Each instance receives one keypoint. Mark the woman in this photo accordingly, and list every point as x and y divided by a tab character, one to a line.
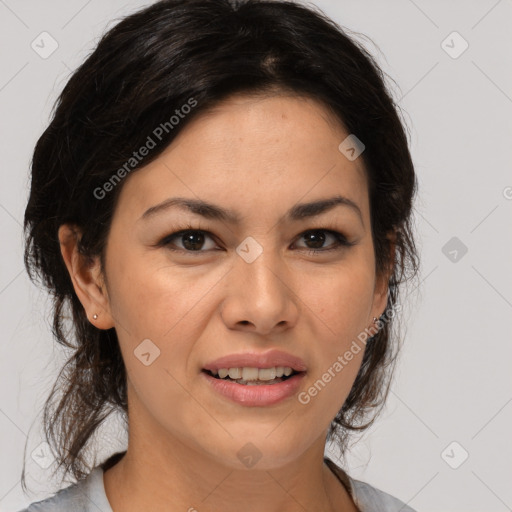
223	200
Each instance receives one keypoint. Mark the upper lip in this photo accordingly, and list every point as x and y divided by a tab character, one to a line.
254	360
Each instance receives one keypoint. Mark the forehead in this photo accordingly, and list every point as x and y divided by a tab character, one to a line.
252	152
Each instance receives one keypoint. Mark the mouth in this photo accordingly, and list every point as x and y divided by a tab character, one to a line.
253	386
252	376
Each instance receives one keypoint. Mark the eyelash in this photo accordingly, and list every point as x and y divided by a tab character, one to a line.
341	241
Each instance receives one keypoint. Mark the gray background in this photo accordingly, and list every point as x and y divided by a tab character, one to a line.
451	384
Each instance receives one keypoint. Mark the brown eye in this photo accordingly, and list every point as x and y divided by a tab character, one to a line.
316	238
190	240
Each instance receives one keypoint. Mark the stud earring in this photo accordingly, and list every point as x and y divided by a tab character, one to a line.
371	338
95	316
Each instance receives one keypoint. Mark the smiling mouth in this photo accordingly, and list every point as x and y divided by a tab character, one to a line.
253	376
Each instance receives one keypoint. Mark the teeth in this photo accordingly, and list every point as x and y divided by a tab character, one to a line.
267	374
252	374
235	373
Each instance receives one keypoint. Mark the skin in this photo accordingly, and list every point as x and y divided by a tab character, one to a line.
258	156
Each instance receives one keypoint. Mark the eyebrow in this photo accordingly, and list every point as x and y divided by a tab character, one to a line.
215	212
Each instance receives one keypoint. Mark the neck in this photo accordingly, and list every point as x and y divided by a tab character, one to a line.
161	472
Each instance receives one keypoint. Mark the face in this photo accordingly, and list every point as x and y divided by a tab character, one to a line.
264	275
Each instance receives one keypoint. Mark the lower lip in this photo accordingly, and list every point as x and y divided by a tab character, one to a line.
258	395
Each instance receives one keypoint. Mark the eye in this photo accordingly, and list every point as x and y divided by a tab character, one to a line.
191	240
316	238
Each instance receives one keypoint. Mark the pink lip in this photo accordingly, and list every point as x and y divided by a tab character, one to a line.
266	360
259	395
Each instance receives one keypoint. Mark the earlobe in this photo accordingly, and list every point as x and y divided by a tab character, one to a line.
380	297
85	274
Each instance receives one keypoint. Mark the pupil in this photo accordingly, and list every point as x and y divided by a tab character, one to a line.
190	243
317	237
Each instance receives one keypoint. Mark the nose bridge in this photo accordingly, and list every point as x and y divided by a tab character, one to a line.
259	266
259	293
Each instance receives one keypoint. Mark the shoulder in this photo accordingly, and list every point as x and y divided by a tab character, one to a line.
371	499
77	497
71	499
366	497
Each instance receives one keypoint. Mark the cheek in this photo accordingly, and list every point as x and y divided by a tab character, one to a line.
339	304
158	317
168	305
341	299
158	298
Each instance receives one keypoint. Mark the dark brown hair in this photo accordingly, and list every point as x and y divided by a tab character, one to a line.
142	71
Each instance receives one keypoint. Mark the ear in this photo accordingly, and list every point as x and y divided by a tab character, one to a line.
380	296
86	277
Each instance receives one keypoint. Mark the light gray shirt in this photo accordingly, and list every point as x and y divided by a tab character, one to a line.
88	495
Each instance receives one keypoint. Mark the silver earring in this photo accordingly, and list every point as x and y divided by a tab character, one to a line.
373	337
95	316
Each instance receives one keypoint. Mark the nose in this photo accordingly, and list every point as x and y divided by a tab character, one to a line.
260	296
